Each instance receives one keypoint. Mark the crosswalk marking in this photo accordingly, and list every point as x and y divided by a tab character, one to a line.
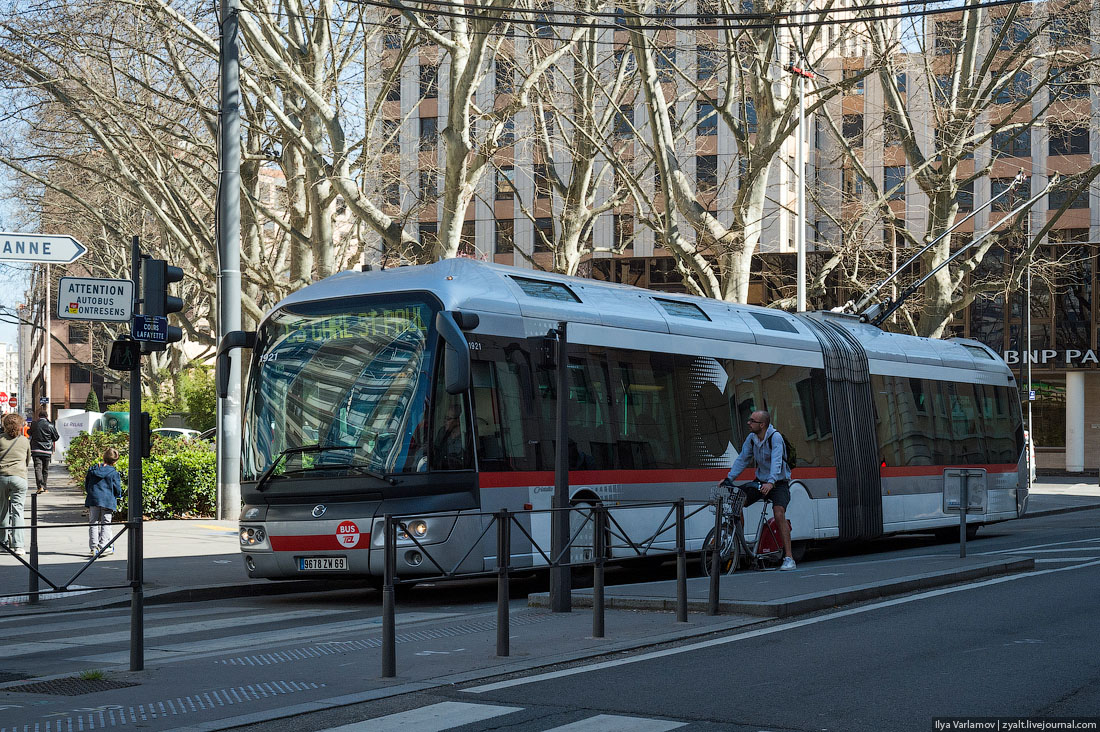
615	723
432	718
262	639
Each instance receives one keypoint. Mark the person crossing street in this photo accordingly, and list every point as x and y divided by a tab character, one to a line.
43	435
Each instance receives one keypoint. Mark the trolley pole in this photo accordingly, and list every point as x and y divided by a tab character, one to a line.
135	507
561	600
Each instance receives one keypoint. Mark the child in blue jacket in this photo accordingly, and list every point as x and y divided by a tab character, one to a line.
103	486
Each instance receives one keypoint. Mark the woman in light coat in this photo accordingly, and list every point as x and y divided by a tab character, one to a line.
15	459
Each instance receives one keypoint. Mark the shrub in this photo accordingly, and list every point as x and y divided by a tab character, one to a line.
91	404
179	480
86	449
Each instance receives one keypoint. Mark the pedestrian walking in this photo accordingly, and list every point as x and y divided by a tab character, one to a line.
103	486
43	435
15	459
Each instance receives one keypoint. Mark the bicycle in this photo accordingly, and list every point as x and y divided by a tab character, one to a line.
733	547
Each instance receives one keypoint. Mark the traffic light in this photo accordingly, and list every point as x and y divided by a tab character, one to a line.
156	275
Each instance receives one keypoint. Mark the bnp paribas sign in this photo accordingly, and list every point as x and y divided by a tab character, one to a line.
1049	356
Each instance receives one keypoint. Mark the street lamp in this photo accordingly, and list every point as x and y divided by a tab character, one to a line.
800	205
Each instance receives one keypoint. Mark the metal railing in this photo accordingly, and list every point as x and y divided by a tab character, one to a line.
609	537
35	574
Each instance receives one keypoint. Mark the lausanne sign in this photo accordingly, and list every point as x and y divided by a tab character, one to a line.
16	247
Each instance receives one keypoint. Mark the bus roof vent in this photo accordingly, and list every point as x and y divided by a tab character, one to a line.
545	290
775	322
682	309
977	351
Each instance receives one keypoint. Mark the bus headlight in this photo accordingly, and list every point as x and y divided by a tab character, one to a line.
253	536
415	529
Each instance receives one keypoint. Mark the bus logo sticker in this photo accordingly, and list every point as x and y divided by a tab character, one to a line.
347	533
319	510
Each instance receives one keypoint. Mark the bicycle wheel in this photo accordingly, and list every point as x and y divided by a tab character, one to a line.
729	554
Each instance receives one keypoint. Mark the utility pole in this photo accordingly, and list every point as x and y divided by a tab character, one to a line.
228	444
801	75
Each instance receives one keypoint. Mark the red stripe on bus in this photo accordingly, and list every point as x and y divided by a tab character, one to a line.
315	543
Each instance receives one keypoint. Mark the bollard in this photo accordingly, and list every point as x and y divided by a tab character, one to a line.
389	629
964	500
715	560
681	566
32	583
503	557
597	571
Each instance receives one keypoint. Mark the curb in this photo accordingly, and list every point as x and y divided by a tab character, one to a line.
802	604
1054	511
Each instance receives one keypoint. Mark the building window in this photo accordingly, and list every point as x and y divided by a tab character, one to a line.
391	136
1068	82
1009	201
853	184
965	197
706	172
1012	143
505	73
506	183
508	134
543	29
948	37
429	133
853	129
749	116
706	62
901	80
1016	34
544	234
428	189
706	119
78	332
893	182
854	84
393	32
666	64
1070	138
504	237
623	232
542	181
1016	89
429	81
78	375
391	85
624	121
467	239
1067	190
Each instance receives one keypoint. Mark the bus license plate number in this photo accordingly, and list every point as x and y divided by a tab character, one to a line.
306	564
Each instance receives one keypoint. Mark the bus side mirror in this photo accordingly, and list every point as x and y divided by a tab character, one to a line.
456	353
232	339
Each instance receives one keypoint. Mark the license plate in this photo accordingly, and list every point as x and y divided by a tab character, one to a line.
306	564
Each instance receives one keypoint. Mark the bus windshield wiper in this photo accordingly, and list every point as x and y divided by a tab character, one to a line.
261	484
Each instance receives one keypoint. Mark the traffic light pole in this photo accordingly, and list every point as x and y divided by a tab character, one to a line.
135	507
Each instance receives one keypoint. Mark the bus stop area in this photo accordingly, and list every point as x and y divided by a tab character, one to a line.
199	559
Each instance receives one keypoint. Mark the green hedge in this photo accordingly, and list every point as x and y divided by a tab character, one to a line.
179	480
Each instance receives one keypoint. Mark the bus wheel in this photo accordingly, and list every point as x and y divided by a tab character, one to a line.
952	533
798	550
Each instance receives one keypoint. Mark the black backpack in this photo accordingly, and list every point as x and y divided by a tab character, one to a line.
789	456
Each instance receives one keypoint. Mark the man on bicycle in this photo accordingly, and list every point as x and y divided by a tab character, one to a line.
766	448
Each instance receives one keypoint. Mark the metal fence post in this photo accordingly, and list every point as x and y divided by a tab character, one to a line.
715	560
597	572
681	565
964	500
504	555
389	631
32	582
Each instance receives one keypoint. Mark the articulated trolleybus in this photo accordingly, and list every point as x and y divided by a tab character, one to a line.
426	390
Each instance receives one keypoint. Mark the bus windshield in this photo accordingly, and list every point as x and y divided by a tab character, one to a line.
349	376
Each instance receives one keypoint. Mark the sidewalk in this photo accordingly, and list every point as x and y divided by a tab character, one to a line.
199	559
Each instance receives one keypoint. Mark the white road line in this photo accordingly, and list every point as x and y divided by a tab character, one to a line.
153	631
432	718
1065	560
154	622
763	631
1033	547
614	723
260	640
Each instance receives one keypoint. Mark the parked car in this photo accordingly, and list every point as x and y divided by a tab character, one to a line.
176	433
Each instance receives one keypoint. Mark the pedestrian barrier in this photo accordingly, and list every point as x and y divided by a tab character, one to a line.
35	574
612	543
